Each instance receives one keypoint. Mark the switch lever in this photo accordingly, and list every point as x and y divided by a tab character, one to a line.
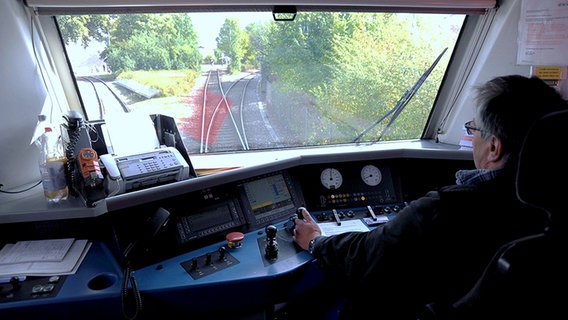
372	213
336	217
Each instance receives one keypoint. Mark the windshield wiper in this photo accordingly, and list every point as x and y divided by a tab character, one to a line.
402	102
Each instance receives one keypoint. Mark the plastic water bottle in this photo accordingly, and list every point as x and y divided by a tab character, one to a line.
52	166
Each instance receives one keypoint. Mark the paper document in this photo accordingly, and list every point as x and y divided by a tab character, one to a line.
35	250
37	265
331	228
131	133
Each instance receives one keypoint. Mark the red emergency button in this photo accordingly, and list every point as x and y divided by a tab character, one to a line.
234	239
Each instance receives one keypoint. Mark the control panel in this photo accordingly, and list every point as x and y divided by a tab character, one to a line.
372	215
200	218
17	288
209	263
275	242
349	185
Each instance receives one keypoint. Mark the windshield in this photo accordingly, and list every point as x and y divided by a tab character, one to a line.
239	81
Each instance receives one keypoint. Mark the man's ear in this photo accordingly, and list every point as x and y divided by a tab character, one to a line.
495	149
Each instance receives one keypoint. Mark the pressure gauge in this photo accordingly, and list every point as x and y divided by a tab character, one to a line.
371	175
331	178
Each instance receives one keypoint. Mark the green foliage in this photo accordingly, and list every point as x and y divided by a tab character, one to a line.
358	66
85	28
170	84
138	41
232	42
256	45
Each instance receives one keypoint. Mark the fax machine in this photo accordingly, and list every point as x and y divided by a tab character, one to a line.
137	171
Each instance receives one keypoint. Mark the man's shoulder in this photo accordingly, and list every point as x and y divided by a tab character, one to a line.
450	191
458	193
457	189
450	195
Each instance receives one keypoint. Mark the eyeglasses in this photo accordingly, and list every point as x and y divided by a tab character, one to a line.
470	127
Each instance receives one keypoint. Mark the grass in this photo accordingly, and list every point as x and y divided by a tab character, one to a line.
170	83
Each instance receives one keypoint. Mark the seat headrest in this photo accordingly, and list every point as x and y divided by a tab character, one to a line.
542	176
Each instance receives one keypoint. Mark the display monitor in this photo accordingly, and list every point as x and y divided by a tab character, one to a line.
207	221
269	198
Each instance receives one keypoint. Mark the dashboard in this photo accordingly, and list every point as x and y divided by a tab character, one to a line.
369	192
332	192
226	240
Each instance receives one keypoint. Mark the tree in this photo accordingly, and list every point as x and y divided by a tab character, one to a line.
257	43
231	42
300	52
85	28
138	41
355	67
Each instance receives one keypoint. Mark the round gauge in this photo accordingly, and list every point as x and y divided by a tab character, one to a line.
371	175
331	178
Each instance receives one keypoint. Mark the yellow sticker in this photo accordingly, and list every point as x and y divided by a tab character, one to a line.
549	73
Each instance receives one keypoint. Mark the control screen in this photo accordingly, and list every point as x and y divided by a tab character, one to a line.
207	221
268	195
268	198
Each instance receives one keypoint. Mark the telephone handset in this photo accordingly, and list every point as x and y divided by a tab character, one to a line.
134	254
113	184
151	227
110	166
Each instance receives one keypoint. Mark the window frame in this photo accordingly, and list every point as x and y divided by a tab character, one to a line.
452	84
54	7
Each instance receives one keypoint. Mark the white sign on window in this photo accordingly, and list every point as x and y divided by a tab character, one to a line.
543	33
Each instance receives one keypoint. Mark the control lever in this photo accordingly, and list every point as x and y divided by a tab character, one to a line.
291	224
336	217
299	213
372	213
271	250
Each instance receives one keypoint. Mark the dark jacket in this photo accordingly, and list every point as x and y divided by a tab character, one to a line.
434	250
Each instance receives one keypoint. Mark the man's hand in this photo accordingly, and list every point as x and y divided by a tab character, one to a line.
306	229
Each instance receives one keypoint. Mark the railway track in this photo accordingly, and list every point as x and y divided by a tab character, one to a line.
230	112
